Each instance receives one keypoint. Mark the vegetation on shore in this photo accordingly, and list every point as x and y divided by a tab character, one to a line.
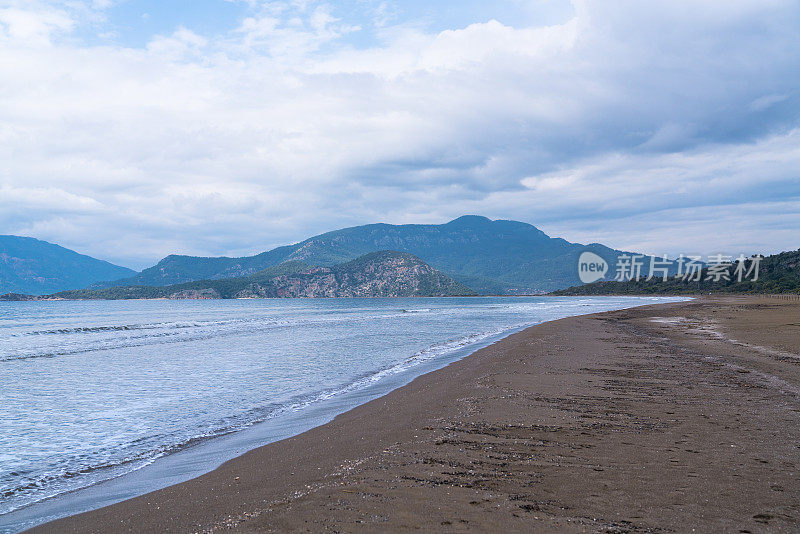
779	273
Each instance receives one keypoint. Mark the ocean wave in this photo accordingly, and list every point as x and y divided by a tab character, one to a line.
21	489
65	342
167	325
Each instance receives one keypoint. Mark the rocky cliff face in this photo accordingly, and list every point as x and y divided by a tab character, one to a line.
196	294
382	274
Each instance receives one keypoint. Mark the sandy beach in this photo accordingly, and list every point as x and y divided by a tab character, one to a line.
673	417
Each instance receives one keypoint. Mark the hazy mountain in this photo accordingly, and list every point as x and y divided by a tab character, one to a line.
36	267
488	256
779	273
378	274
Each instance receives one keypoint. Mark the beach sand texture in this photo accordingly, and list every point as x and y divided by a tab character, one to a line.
666	418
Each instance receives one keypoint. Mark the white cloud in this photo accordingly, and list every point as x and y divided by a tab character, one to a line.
32	27
180	45
234	143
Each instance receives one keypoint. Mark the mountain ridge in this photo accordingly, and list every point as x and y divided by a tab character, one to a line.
30	265
491	257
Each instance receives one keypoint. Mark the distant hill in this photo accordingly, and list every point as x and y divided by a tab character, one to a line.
491	257
35	267
779	273
378	274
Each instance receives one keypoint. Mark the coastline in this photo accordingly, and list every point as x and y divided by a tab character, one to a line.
117	482
549	428
206	454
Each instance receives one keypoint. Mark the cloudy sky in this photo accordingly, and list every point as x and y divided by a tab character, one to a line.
131	129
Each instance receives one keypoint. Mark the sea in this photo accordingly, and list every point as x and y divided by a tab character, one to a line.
105	400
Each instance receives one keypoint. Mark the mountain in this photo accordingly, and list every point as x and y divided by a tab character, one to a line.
491	257
378	274
779	273
36	267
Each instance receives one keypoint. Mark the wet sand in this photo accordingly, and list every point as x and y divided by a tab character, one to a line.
671	417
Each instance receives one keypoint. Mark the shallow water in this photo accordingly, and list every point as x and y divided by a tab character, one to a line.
92	390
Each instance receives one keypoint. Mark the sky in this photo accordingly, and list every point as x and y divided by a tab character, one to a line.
133	129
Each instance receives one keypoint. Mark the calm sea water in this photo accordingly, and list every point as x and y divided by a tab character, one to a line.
91	390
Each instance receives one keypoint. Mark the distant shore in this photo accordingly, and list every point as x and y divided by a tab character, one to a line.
667	417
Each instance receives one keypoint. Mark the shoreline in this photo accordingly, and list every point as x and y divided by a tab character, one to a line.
204	455
208	453
430	453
